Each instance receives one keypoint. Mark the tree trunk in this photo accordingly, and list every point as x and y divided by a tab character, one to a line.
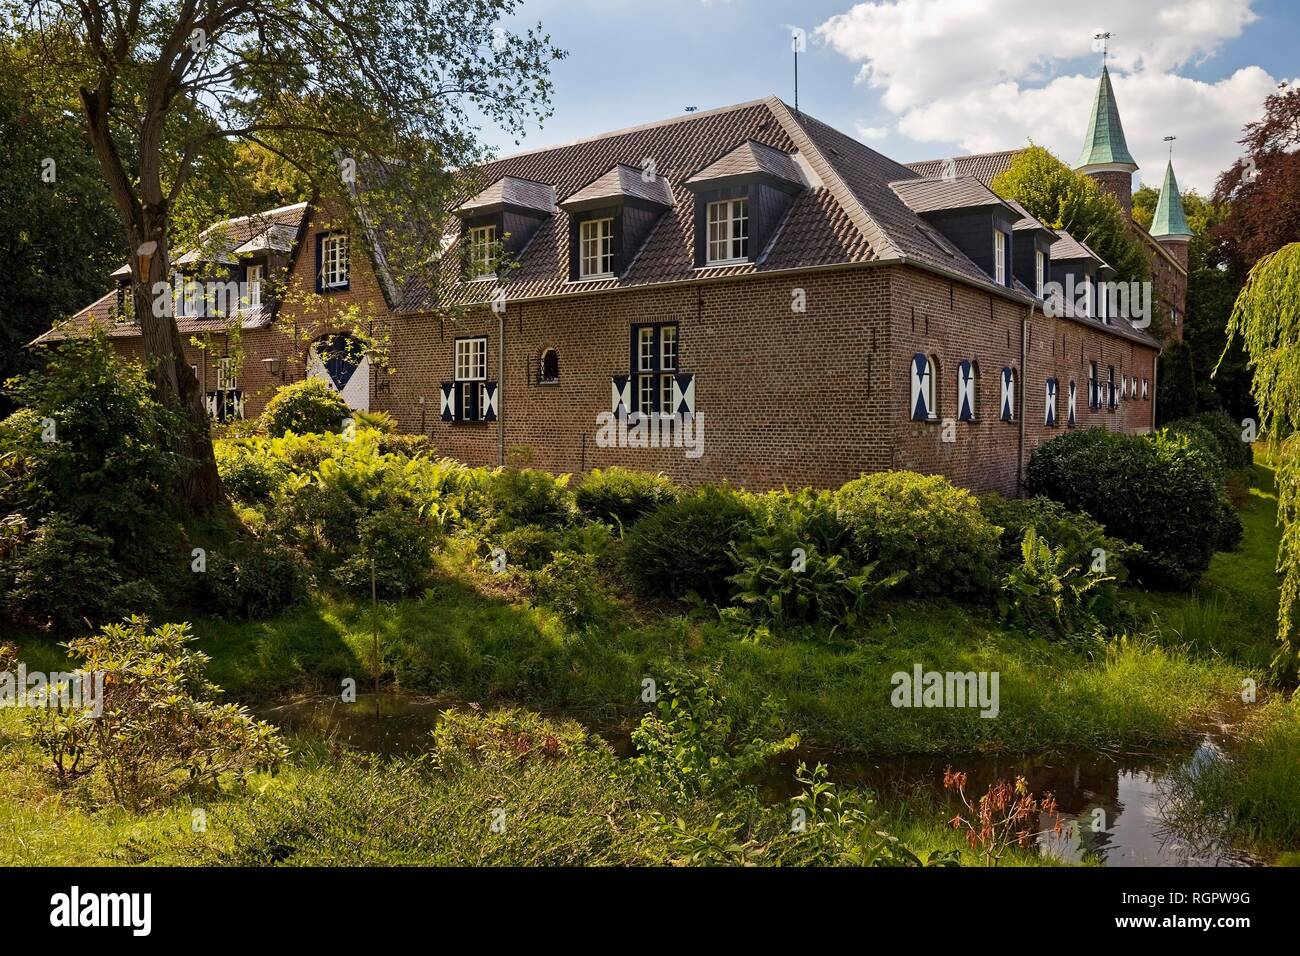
174	383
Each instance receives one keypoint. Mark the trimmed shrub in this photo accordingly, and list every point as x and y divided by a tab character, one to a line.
686	545
925	526
529	546
1078	535
621	496
1236	453
306	407
1204	441
1159	492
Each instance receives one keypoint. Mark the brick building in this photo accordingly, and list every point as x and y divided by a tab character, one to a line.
803	308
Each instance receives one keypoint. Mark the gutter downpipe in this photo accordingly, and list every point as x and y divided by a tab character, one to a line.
501	387
1024	378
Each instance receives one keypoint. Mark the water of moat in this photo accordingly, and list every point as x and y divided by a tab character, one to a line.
1116	809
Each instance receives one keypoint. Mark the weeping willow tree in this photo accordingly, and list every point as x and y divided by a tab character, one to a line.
1267	317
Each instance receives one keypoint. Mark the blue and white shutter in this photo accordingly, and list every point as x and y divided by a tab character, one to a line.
489	406
1049	418
965	391
920	372
683	395
449	404
1073	406
620	395
1008	395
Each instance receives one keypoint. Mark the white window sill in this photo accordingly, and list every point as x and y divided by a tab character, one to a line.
594	277
716	263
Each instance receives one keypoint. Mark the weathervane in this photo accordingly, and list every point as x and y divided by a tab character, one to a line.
1101	38
1170	141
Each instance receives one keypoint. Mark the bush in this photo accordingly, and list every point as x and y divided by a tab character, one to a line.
1081	537
309	406
1236	453
160	730
1159	492
400	549
62	575
570	586
520	496
1050	595
407	446
107	465
789	571
1231	530
925	526
529	547
686	546
1204	441
254	580
621	496
248	472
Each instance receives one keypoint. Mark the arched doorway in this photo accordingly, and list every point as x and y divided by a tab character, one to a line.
340	361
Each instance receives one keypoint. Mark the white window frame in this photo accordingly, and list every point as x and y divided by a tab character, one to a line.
1000	257
227	374
482	251
1040	270
596	248
471	360
253	275
645	349
727	221
334	260
928	388
668	348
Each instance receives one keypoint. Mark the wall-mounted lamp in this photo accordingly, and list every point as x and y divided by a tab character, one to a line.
273	367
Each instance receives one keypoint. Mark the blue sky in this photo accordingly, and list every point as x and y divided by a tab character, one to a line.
923	78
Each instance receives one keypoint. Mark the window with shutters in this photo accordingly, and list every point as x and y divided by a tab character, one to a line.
1094	387
728	223
1110	388
968	383
334	261
654	368
596	248
227	373
1008	394
470	396
1049	415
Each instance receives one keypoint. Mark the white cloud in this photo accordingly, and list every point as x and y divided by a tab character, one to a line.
986	74
873	132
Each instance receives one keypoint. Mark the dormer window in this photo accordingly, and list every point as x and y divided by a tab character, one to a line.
1040	267
253	277
596	258
1000	257
728	231
482	251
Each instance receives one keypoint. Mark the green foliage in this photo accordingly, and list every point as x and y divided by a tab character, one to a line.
1048	594
1235	451
689	745
63	574
925	526
525	496
394	548
621	496
685	546
89	442
570	586
788	573
306	407
1160	492
1083	539
254	579
529	546
249	471
160	731
1071	201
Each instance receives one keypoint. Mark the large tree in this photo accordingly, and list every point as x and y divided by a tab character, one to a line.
1262	189
337	89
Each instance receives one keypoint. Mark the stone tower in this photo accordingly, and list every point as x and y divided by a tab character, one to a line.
1169	225
1105	155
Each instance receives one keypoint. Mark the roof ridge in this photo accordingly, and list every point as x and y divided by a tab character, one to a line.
830	176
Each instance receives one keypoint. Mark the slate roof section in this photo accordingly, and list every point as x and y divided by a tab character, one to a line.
748	158
511	191
940	195
1068	249
1028	221
622	181
983	166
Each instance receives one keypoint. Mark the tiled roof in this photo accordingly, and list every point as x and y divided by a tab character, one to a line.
1066	249
983	166
1028	220
938	195
751	157
622	180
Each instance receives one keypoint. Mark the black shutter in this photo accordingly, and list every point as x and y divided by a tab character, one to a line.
449	395
489	406
320	282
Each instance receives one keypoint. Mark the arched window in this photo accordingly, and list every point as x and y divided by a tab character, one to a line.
968	383
1008	394
548	372
924	370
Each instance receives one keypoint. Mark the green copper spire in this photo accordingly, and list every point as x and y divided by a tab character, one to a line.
1170	222
1104	145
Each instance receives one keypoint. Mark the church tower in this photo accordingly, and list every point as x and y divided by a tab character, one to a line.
1169	225
1105	155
